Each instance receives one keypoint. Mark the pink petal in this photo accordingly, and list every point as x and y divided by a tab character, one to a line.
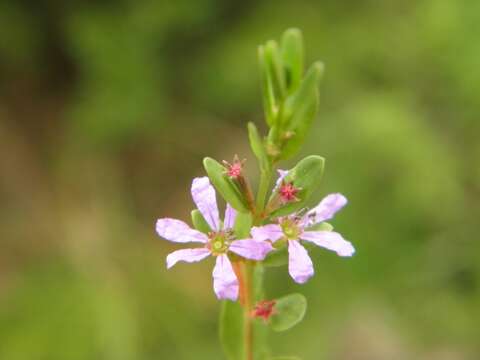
225	281
178	231
271	232
251	249
329	240
281	175
203	195
188	255
325	210
230	216
300	265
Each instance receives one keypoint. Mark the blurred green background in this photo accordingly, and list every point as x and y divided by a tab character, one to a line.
108	107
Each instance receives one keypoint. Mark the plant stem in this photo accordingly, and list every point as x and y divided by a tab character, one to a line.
248	330
247	283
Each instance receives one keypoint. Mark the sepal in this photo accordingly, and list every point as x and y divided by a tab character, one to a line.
323	226
199	222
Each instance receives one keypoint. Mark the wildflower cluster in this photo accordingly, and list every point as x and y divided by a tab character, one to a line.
256	231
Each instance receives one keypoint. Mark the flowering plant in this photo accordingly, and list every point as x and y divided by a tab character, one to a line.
257	232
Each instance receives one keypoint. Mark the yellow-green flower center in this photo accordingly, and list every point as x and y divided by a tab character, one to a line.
218	242
290	229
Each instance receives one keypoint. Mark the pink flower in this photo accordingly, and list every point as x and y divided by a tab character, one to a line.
298	227
218	242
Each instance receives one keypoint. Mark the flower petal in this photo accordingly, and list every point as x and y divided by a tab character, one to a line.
325	210
330	240
251	249
230	216
177	231
281	175
300	266
203	195
225	281
188	255
271	232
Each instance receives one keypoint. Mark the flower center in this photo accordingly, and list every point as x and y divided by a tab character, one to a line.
218	242
291	230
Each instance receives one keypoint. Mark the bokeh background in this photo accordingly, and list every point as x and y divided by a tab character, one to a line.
107	109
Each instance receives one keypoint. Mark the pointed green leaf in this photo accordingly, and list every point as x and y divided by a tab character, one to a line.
232	330
300	110
269	102
275	67
272	139
292	56
199	222
290	310
257	146
224	185
243	224
305	176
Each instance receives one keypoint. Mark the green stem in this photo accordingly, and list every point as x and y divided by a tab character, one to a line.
248	303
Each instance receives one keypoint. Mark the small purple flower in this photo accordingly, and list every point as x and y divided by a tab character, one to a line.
218	242
296	227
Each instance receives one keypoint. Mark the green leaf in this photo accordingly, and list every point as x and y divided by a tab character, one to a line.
224	185
257	146
305	176
276	258
324	226
290	310
199	222
300	111
243	224
292	56
275	67
272	139
232	330
285	358
269	101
